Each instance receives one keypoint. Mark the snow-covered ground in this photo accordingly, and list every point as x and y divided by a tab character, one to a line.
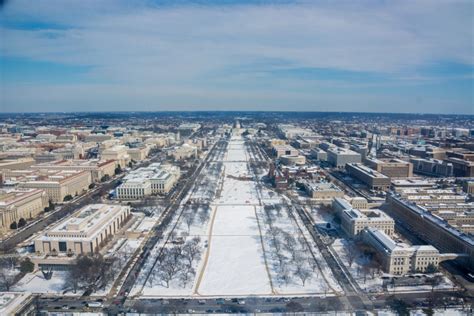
36	283
236	265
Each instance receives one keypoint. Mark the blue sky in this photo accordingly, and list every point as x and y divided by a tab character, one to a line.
374	56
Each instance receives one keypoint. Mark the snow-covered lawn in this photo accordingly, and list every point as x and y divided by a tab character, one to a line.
35	283
236	265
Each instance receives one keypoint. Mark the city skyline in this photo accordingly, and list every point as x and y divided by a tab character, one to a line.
402	57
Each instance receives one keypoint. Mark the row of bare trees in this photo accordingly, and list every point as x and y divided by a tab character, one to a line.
176	262
291	255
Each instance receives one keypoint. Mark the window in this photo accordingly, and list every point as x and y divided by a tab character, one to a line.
62	246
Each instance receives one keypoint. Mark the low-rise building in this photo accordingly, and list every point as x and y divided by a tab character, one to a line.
339	157
184	152
391	167
56	183
319	154
154	179
353	221
373	179
138	154
432	167
85	232
293	160
284	150
399	258
119	153
322	190
14	164
433	229
17	203
468	186
97	168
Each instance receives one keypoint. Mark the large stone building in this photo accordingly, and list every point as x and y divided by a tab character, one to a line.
85	232
284	150
56	183
432	167
433	229
393	168
339	157
16	204
322	190
399	258
184	152
354	221
97	168
138	154
13	164
119	153
373	179
154	179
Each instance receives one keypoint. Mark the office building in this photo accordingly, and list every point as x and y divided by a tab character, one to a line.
393	168
85	232
16	204
399	258
339	157
371	178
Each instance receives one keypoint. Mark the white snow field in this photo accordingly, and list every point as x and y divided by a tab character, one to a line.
236	264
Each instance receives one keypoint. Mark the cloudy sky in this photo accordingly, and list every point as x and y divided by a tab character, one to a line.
374	56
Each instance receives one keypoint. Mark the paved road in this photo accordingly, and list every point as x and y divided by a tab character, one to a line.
247	304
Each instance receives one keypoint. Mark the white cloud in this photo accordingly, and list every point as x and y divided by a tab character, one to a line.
183	46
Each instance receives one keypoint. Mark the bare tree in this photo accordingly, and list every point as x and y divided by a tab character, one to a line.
192	250
351	254
6	279
188	218
303	273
